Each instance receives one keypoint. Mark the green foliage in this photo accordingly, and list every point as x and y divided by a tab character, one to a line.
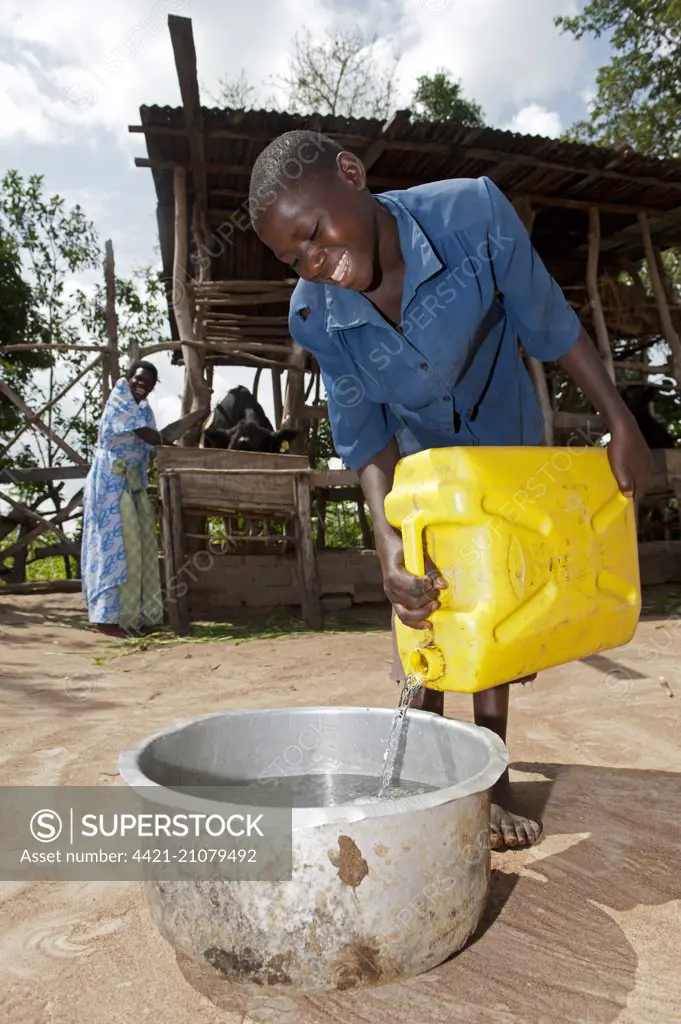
438	97
639	92
141	314
341	75
16	316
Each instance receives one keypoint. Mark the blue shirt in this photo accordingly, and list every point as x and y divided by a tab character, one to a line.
474	287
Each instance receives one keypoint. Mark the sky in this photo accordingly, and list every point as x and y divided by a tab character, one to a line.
73	77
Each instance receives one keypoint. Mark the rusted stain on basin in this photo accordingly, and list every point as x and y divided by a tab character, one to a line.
352	867
361	963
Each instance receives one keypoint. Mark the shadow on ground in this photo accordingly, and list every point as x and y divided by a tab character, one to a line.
611	843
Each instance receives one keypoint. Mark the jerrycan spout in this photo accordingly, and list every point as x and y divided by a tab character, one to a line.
427	663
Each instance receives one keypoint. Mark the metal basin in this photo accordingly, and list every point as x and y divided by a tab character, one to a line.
380	890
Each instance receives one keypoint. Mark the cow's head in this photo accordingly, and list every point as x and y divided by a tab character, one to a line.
249	436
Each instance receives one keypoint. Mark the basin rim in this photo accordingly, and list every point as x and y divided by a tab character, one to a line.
304	818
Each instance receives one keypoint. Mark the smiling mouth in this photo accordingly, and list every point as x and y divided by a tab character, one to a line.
341	269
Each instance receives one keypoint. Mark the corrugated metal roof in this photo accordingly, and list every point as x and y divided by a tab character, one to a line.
419	152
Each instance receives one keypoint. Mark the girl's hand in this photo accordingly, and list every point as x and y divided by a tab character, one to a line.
414	598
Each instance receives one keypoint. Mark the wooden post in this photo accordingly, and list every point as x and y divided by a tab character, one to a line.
110	359
307	560
38	423
276	397
295	399
600	327
168	554
57	398
666	322
527	214
195	395
177	580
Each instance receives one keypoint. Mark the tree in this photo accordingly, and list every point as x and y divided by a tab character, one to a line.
236	93
438	97
341	76
16	322
638	98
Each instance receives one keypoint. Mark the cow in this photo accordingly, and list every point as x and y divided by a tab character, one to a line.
638	399
239	424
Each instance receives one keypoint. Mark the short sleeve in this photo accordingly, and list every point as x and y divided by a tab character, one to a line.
122	414
543	319
360	427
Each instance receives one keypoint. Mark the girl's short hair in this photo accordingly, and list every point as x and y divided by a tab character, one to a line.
142	364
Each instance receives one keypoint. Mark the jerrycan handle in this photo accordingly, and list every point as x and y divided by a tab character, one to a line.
412	542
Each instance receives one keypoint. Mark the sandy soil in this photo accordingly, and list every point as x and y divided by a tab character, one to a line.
585	928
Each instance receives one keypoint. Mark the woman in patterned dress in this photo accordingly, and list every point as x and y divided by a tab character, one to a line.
119	556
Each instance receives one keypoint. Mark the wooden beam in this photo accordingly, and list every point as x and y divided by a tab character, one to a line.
584	204
40	474
377	148
195	394
110	360
668	328
38	423
177	578
600	327
584	170
35	346
307	557
43	587
276	398
527	214
45	523
24	541
625	209
461	152
57	398
182	39
295	397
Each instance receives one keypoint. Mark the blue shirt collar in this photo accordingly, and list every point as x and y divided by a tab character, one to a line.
346	308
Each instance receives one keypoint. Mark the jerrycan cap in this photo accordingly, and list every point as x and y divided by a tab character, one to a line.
427	663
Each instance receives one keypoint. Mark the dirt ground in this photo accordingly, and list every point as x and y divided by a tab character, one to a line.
585	928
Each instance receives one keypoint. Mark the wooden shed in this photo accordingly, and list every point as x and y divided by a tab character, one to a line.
599	218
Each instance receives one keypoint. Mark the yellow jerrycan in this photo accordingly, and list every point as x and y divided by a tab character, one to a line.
539	552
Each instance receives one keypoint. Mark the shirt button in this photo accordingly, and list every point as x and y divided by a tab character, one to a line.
447	398
423	366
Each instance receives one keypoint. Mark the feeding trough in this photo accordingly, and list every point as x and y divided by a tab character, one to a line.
379	889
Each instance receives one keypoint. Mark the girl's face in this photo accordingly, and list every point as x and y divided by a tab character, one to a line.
325	229
142	383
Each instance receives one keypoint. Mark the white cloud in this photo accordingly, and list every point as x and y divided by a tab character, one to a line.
536	120
72	80
504	52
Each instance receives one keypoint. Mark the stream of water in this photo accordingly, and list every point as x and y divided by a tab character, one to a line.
409	691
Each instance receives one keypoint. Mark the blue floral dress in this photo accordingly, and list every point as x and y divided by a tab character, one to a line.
103	566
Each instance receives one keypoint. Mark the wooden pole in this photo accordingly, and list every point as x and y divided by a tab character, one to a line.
524	209
276	398
602	339
61	516
57	398
177	578
168	554
195	394
668	328
294	402
112	364
45	523
307	558
38	423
